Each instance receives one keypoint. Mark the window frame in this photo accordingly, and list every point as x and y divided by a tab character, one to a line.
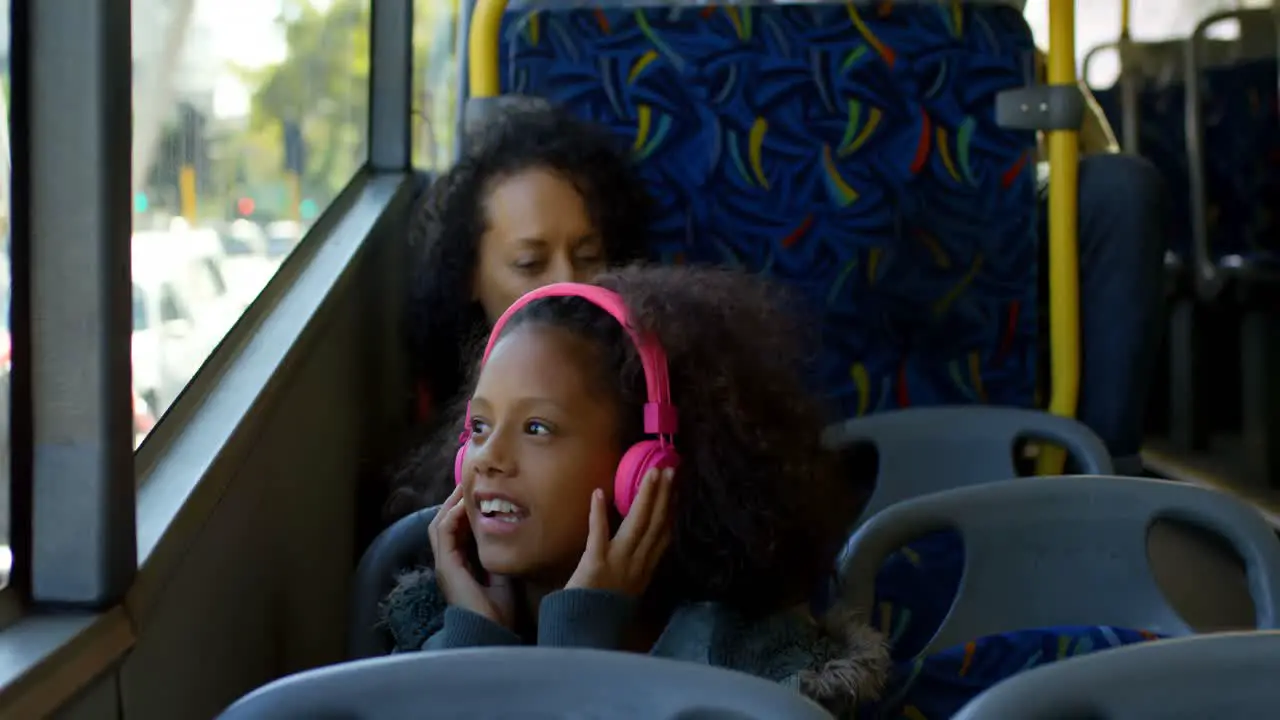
76	134
192	453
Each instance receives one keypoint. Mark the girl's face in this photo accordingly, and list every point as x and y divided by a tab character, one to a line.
537	232
544	437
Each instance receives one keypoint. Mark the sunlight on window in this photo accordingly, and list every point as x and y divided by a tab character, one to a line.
435	83
250	117
1098	22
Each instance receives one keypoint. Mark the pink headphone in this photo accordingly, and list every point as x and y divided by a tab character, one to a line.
660	417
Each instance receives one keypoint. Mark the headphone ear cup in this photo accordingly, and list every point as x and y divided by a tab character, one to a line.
458	461
639	459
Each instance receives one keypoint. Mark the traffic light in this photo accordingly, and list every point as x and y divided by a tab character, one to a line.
245	206
295	149
140	203
308	209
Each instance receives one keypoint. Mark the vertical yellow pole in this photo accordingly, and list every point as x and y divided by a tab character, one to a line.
1064	273
482	48
187	192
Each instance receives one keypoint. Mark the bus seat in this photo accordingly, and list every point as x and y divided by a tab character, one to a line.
1162	139
1064	551
924	450
397	549
479	111
848	150
1194	397
1241	141
1242	165
1157	69
523	682
1225	675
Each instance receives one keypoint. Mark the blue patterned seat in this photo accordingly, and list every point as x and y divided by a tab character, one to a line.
852	152
848	150
937	686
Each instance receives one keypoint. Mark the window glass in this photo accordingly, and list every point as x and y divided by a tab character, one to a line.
170	306
1098	22
6	556
435	83
139	309
250	117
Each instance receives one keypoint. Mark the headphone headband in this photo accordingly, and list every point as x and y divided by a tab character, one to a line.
659	413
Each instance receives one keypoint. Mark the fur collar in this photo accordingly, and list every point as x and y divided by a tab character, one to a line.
838	660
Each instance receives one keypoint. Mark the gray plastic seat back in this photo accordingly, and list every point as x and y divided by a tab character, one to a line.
1231	675
398	548
924	450
1065	550
523	682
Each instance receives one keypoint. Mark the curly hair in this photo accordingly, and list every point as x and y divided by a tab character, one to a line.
761	509
443	320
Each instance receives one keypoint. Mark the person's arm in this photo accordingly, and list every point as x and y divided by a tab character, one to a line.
585	619
464	629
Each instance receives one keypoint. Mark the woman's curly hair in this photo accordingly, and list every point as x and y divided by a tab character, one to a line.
761	510
443	319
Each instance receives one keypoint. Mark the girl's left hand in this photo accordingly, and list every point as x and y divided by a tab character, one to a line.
625	563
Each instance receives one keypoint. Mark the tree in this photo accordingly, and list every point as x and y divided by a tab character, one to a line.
323	84
182	141
435	82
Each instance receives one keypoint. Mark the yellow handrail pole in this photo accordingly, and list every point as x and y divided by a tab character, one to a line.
482	48
1064	273
1125	7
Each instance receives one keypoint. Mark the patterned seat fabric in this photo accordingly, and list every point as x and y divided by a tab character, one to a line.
848	150
935	687
1242	155
914	592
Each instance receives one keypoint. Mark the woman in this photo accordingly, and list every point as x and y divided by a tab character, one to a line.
538	197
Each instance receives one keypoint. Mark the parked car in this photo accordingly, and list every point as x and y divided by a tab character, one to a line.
181	311
282	237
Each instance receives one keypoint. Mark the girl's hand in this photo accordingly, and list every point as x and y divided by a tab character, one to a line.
450	532
625	563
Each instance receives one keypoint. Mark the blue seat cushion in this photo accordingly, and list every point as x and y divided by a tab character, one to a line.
848	150
914	591
938	685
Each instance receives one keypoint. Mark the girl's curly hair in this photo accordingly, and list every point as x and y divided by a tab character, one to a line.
444	239
761	510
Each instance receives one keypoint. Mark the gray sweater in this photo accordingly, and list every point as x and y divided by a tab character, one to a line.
837	661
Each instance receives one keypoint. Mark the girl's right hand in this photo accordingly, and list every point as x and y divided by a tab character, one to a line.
450	533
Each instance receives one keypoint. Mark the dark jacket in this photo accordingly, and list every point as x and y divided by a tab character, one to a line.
838	661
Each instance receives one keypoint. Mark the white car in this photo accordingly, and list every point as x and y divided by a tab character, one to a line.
282	237
181	311
243	258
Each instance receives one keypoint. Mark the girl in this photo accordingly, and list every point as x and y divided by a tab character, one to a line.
539	197
711	563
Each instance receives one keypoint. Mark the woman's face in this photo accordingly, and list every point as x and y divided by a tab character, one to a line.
537	232
543	438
